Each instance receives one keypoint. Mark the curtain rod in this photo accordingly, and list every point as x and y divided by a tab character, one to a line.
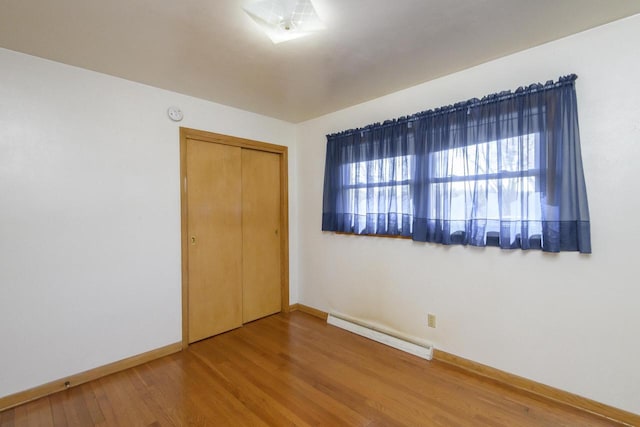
468	104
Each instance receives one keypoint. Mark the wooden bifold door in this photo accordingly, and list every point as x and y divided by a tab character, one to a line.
234	232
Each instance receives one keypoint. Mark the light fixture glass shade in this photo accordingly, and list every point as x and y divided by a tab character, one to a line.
284	20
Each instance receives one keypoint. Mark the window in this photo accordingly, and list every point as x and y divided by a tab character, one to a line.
379	189
502	171
495	181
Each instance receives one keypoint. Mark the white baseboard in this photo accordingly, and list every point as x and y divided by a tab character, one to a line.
422	350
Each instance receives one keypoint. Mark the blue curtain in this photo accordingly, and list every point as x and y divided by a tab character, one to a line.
503	171
367	181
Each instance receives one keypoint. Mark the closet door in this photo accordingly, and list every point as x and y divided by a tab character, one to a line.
214	205
261	243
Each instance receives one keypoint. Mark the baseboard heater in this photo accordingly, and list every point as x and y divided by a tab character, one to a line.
381	335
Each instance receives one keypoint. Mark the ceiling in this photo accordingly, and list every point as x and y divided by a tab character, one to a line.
211	49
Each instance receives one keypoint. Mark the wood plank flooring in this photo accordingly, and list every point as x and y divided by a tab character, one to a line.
293	370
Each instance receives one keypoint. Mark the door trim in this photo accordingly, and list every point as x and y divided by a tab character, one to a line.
282	151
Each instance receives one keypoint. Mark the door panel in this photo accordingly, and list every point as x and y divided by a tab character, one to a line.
261	245
215	221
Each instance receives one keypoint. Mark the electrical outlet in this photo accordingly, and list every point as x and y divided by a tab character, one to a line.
431	320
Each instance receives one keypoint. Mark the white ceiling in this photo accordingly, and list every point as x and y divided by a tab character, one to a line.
211	49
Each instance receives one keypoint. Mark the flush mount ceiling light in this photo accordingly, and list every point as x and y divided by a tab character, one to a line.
284	20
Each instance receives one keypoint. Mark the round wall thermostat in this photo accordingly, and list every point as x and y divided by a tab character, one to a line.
175	114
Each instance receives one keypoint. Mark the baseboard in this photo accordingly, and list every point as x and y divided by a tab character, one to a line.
25	396
309	310
383	336
540	390
526	385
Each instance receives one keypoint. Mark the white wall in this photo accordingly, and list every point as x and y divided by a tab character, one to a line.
568	320
90	215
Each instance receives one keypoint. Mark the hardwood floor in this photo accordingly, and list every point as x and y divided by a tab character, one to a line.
293	370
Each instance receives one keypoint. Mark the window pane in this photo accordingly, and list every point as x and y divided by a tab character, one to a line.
380	194
516	154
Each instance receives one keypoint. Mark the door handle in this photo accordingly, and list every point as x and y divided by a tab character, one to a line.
193	240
